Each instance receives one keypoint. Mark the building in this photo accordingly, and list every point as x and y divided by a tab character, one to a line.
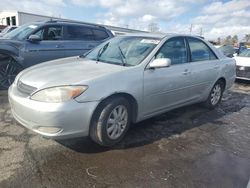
17	18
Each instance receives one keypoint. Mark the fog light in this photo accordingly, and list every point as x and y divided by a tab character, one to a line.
49	130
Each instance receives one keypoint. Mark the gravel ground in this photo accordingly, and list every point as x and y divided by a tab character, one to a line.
187	147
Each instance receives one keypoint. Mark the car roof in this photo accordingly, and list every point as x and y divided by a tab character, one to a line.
161	35
74	23
61	22
149	35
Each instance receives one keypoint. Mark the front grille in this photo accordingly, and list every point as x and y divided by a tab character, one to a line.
243	72
25	89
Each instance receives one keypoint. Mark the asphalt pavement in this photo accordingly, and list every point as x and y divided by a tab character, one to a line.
187	147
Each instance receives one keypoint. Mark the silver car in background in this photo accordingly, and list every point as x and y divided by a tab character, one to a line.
124	80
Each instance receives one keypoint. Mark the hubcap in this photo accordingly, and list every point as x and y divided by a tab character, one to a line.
8	73
216	94
117	122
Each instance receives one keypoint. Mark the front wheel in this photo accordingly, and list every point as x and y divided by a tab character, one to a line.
9	68
215	95
111	121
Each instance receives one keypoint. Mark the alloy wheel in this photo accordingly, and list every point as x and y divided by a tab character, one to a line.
8	72
117	122
216	94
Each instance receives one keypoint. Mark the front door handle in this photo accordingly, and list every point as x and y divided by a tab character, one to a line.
59	46
186	72
217	67
91	46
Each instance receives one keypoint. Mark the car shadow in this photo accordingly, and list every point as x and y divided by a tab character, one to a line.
166	125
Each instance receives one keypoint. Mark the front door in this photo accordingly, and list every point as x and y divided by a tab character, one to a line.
50	47
165	88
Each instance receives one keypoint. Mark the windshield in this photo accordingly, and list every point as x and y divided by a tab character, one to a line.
245	53
123	50
21	32
227	49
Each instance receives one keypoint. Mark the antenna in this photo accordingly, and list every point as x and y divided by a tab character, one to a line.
191	28
201	32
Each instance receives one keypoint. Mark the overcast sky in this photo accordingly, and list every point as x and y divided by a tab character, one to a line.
216	18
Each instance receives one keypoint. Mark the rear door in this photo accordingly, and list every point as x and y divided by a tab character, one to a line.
50	47
204	64
80	39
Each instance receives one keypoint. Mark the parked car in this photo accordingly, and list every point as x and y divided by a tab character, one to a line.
126	79
38	42
242	47
236	51
228	50
7	30
243	65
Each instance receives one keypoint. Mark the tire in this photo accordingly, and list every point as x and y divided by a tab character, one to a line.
9	68
105	128
215	95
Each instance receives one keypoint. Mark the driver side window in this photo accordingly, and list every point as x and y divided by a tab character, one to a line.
175	50
50	33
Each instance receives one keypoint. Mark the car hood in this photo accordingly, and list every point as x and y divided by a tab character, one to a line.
9	42
242	61
67	71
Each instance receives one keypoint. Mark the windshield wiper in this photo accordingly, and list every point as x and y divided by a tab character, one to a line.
82	56
124	60
100	52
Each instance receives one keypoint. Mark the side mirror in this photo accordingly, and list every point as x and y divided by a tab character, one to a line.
160	63
34	38
230	55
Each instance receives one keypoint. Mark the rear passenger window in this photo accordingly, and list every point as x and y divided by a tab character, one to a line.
99	34
175	50
79	33
200	51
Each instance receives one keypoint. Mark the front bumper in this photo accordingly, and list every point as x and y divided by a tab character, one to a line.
69	119
243	73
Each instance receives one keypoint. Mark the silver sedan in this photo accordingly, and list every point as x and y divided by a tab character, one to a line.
122	81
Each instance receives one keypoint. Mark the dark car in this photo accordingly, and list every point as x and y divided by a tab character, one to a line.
38	42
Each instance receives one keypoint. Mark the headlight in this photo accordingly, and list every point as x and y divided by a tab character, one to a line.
58	94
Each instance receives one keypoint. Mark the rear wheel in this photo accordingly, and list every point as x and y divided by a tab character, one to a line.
215	95
9	68
111	121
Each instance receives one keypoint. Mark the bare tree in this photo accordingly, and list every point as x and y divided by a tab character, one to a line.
218	40
247	37
235	38
228	40
153	27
